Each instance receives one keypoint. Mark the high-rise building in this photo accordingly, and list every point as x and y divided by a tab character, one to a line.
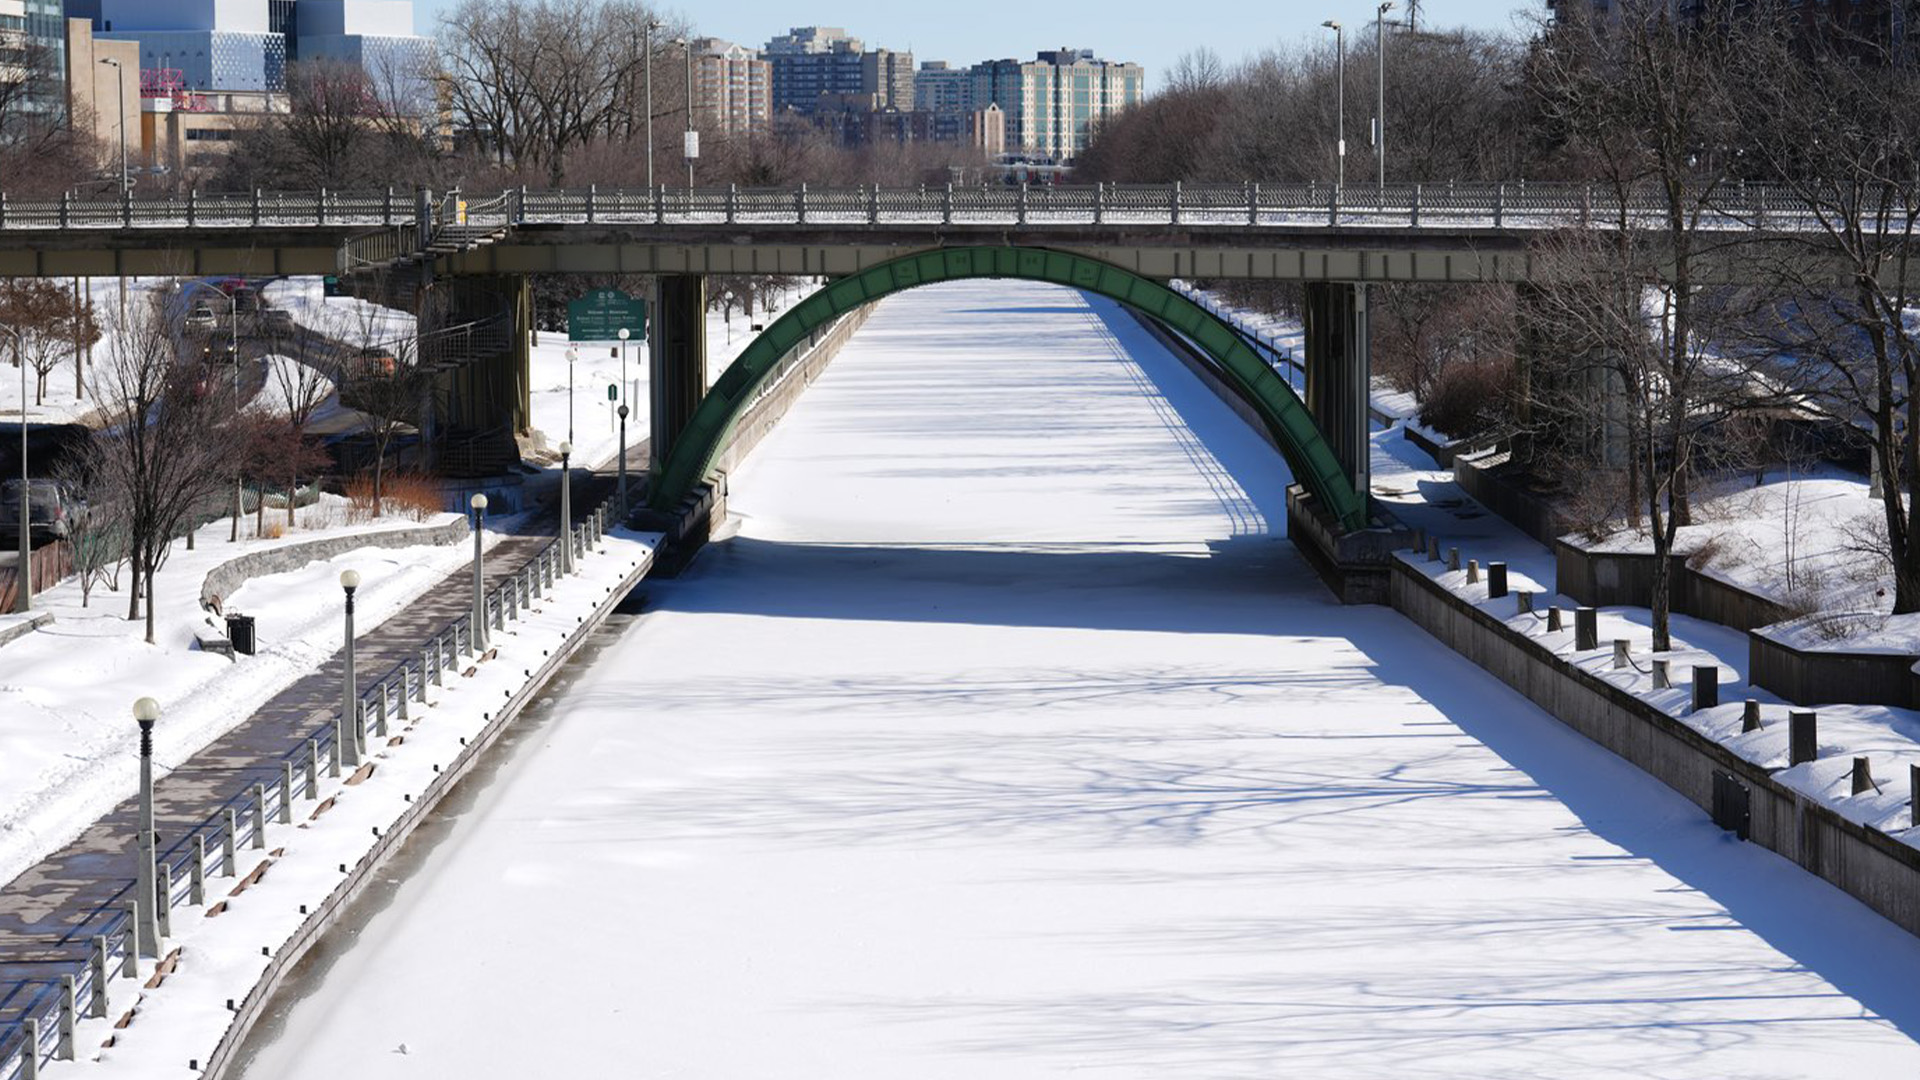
814	62
1052	102
245	45
13	41
732	87
33	50
938	88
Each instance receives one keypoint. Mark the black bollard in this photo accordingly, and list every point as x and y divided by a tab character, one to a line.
1496	580
1706	686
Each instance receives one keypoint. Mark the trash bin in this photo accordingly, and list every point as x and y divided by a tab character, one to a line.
240	633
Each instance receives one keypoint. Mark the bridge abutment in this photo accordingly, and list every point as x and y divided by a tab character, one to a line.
1339	372
677	358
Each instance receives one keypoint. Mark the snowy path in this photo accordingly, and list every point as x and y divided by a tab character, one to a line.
1006	740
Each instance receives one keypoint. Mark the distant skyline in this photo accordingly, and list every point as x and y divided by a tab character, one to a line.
993	29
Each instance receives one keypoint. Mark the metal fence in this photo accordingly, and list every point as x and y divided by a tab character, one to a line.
37	1017
402	217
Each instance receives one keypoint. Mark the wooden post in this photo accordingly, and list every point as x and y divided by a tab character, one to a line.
1803	737
1473	571
1750	716
1862	775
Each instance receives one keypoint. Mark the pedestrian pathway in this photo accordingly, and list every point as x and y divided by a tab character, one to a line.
45	912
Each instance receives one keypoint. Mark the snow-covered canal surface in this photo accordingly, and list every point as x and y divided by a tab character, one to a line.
1009	739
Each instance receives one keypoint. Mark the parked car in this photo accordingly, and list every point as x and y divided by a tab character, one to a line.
52	508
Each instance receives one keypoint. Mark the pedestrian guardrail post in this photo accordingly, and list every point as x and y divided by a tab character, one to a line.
259	815
873	205
30	1053
197	872
313	769
1415	219
1099	202
380	713
3	209
1622	654
733	199
1176	202
1253	204
97	968
1586	629
1499	205
230	841
800	204
499	610
439	662
126	209
1586	205
64	1050
130	958
1862	778
1020	212
1706	686
406	689
1803	737
1333	207
193	207
163	898
256	208
1496	580
320	207
66	207
946	206
593	199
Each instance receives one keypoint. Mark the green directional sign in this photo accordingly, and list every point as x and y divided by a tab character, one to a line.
613	391
603	313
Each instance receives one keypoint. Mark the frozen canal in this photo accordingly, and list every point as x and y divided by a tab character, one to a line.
1007	739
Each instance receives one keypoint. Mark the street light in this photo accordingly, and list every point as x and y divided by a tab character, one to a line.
651	26
1380	114
566	507
624	335
23	590
146	930
479	504
233	343
126	179
1340	109
351	732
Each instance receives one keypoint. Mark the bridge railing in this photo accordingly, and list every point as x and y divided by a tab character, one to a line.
37	1014
1518	205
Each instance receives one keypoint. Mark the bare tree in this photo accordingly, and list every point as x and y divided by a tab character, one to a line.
1830	116
52	325
164	440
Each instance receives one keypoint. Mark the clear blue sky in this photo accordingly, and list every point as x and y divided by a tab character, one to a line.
990	29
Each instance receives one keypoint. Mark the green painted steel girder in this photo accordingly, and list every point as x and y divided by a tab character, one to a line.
710	430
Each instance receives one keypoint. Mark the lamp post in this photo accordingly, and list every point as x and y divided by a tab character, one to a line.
624	335
146	931
651	26
1340	108
350	733
1380	113
688	146
23	590
566	507
479	504
126	179
573	357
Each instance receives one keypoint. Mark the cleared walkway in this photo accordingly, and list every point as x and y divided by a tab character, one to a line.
1007	740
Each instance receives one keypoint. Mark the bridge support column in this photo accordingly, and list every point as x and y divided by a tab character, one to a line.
1339	372
677	348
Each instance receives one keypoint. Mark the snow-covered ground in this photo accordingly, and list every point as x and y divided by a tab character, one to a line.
65	689
1008	738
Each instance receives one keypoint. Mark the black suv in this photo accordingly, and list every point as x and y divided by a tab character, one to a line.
52	508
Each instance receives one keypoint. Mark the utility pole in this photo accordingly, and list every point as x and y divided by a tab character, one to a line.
691	147
1340	108
1380	107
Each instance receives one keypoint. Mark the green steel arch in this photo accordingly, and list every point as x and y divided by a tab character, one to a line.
710	430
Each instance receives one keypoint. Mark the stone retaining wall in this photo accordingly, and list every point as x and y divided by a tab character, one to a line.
1867	864
227	578
1625	579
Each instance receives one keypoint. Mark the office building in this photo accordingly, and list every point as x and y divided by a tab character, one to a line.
244	46
941	89
732	87
1052	102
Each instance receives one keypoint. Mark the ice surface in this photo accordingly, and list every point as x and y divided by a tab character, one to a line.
1008	739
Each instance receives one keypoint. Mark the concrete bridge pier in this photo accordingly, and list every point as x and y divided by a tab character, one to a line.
677	357
1339	372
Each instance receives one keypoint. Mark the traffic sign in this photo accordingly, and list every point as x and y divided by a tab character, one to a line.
603	313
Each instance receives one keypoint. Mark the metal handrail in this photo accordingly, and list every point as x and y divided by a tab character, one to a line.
268	795
1456	205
